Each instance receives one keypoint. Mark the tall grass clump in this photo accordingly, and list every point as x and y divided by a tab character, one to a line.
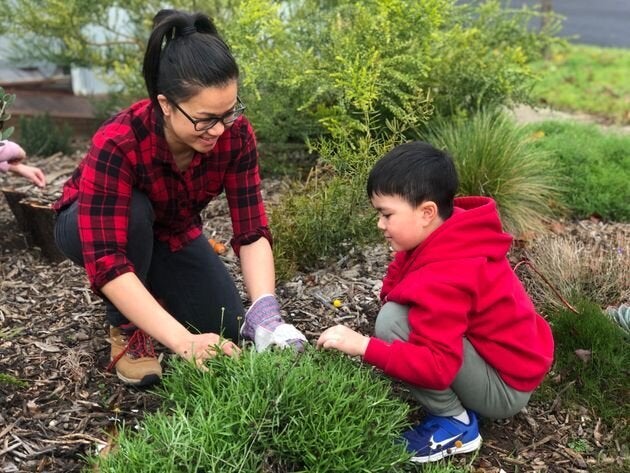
578	271
495	158
596	164
276	411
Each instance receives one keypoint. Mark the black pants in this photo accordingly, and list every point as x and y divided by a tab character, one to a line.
193	283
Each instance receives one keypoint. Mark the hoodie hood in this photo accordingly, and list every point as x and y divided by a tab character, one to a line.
473	218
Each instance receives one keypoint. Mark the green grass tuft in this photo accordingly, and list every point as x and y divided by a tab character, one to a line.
600	381
275	411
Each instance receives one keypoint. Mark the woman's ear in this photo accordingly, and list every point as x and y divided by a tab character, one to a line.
164	105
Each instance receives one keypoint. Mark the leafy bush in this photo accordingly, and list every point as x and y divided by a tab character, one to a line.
275	411
596	164
306	63
598	274
5	102
319	219
40	136
495	158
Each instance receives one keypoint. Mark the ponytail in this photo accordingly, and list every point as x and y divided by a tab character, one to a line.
185	54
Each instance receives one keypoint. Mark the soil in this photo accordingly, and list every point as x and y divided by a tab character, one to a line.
62	403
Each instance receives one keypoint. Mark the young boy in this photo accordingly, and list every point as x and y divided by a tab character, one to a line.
456	323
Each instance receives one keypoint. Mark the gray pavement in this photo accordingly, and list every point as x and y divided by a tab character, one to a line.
596	22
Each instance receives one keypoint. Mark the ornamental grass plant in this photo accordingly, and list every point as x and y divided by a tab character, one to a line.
495	158
578	271
275	411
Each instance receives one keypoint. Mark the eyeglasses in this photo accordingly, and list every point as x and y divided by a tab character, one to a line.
204	124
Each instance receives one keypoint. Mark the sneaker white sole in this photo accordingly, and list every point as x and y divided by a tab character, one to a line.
465	448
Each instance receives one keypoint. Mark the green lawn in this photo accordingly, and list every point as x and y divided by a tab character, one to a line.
587	79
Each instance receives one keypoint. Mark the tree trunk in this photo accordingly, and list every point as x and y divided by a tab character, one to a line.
36	219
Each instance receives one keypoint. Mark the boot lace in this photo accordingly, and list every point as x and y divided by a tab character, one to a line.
139	345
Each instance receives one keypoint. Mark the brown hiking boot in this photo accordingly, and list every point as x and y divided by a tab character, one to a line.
134	357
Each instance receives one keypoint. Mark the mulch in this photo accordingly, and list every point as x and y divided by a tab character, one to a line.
64	403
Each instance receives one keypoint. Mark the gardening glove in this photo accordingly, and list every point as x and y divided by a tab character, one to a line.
265	326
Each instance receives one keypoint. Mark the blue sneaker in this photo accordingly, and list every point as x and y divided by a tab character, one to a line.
438	437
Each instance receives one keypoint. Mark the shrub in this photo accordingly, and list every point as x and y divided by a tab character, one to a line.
320	219
577	271
596	164
495	158
275	411
40	136
300	57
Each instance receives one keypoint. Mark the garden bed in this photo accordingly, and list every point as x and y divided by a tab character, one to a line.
62	403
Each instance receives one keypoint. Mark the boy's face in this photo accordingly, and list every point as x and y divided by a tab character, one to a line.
403	225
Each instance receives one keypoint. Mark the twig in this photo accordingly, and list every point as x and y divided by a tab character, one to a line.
555	291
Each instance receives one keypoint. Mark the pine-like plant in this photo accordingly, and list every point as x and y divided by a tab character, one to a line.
275	411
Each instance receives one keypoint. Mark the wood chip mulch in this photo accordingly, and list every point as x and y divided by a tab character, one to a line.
63	405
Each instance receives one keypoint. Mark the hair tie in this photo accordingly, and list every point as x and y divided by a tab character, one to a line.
188	30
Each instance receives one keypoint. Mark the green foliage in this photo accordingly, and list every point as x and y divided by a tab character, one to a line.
599	377
276	411
310	66
495	158
8	380
40	136
596	164
482	56
586	79
5	102
320	219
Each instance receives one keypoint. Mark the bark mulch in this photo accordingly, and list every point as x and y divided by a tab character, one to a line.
58	404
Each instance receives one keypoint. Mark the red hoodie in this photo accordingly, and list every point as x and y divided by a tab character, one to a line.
458	283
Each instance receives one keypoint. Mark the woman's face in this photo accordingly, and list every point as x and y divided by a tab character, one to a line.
211	102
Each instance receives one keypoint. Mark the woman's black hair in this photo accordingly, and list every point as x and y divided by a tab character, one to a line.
184	55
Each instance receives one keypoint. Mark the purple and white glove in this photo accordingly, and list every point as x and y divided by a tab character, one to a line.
264	325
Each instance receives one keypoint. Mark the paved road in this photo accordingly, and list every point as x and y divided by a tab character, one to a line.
597	22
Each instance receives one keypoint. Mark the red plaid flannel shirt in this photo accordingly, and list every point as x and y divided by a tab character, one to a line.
130	152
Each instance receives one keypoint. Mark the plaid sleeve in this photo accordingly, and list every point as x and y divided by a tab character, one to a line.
242	189
104	198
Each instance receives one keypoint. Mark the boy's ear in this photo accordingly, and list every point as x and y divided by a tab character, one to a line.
429	211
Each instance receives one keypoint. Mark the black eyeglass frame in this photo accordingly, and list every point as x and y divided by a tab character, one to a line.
209	123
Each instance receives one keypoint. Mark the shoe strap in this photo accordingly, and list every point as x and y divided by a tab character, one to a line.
139	345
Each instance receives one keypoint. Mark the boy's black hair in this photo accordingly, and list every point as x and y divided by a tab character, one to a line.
184	55
416	172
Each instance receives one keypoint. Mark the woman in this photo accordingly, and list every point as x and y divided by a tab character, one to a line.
130	213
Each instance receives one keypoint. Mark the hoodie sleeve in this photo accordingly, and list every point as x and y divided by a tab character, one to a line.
438	318
10	152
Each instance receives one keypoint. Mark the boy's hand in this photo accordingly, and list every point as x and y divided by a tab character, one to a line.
343	339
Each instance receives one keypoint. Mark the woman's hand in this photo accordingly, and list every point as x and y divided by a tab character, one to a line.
343	339
200	347
33	174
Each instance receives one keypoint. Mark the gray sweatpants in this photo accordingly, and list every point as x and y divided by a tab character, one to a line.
477	385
